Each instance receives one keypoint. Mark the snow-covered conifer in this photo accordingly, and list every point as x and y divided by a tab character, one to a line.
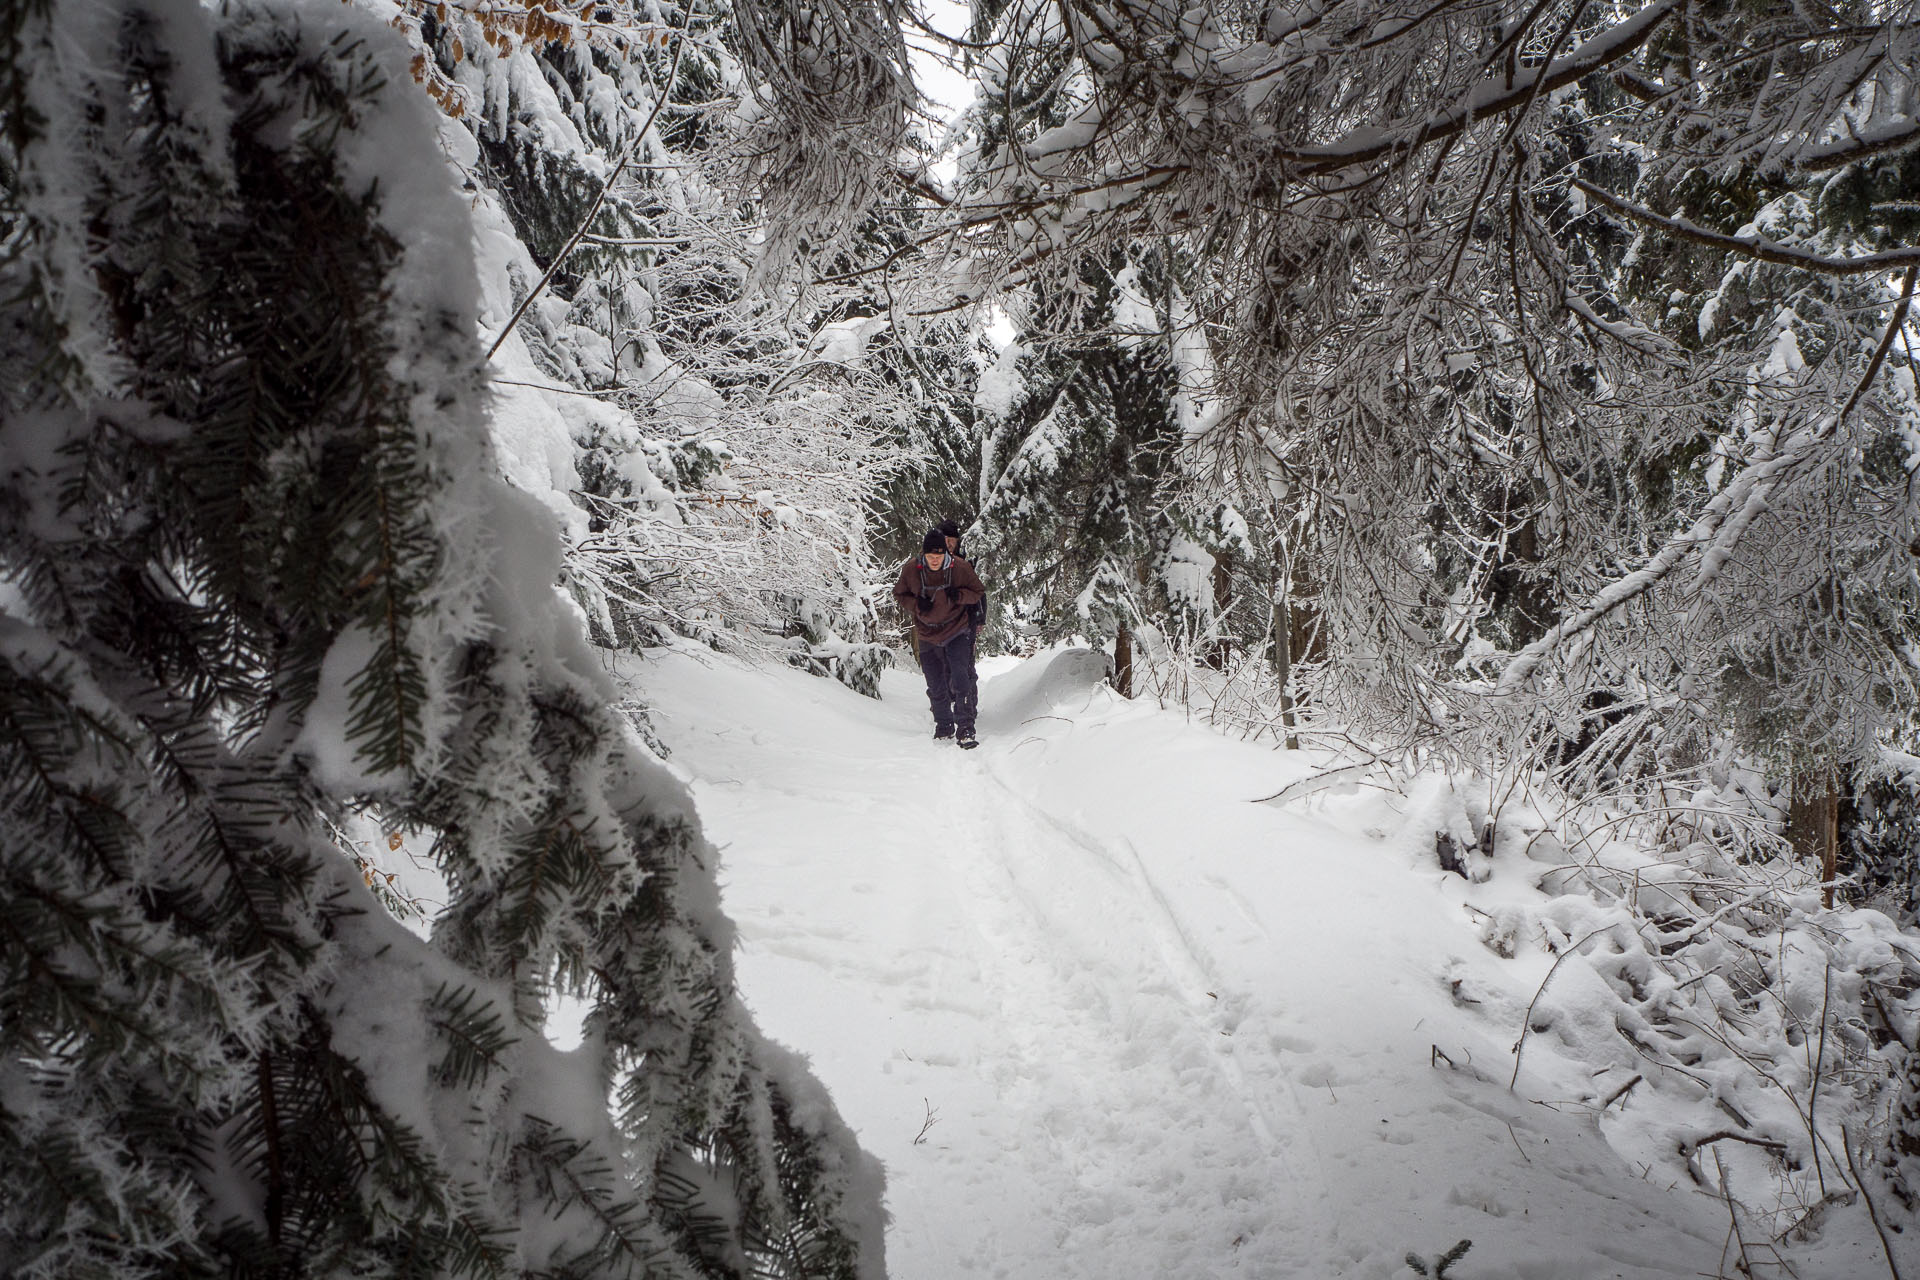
268	598
1078	438
709	445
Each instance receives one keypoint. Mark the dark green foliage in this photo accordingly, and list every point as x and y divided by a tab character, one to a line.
250	601
1079	478
474	1033
939	477
167	898
1880	841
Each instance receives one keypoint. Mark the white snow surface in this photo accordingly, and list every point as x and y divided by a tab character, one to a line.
1101	1016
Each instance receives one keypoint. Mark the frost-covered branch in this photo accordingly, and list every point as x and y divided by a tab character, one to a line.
1756	247
1487	100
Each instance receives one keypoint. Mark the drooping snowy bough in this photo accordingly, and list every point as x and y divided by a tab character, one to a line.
264	597
1521	426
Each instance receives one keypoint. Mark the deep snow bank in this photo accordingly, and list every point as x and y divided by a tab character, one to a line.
1102	1017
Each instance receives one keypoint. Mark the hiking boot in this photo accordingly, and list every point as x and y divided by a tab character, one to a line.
966	739
942	732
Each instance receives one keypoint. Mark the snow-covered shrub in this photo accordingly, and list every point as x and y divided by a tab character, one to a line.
1716	987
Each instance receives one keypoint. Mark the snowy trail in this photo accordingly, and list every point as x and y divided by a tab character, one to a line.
1108	1016
1159	1032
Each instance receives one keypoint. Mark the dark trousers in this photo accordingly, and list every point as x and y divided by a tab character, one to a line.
951	686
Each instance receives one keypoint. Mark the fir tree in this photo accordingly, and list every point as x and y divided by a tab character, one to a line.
265	591
1078	465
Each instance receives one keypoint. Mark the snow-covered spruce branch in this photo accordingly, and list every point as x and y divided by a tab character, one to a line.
825	121
1105	204
1756	247
222	1051
641	136
1857	145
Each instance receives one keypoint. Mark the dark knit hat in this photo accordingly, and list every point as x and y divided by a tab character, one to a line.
950	527
934	541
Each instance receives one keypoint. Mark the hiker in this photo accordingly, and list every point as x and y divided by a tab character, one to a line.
941	589
950	529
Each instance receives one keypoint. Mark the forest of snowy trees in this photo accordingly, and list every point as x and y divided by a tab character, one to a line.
1522	392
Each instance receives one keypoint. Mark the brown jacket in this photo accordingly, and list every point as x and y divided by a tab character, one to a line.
946	618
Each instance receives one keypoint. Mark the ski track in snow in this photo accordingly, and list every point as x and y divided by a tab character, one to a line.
1159	1032
1105	1012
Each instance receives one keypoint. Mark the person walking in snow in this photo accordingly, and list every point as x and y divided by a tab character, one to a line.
940	589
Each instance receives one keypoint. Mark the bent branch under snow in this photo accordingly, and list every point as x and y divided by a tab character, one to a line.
1757	247
1490	99
1720	525
1864	144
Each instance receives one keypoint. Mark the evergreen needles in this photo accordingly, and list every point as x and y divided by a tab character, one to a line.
262	586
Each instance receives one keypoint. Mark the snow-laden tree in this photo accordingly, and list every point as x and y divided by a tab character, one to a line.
1061	456
937	368
266	599
1078	435
1420	242
711	445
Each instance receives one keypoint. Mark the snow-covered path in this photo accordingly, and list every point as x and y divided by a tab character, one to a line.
1103	1018
1113	1076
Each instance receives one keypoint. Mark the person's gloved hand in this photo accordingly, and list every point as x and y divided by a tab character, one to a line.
924	602
953	593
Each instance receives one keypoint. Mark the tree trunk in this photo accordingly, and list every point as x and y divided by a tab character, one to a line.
1123	661
1813	822
1281	629
1220	649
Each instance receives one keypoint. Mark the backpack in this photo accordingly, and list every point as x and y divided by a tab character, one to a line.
976	613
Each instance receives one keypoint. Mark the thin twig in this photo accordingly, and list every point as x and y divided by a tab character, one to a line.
1873	1214
1773	1145
1754	246
1526	1024
593	211
1621	1092
1746	1264
933	1118
1819	1064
